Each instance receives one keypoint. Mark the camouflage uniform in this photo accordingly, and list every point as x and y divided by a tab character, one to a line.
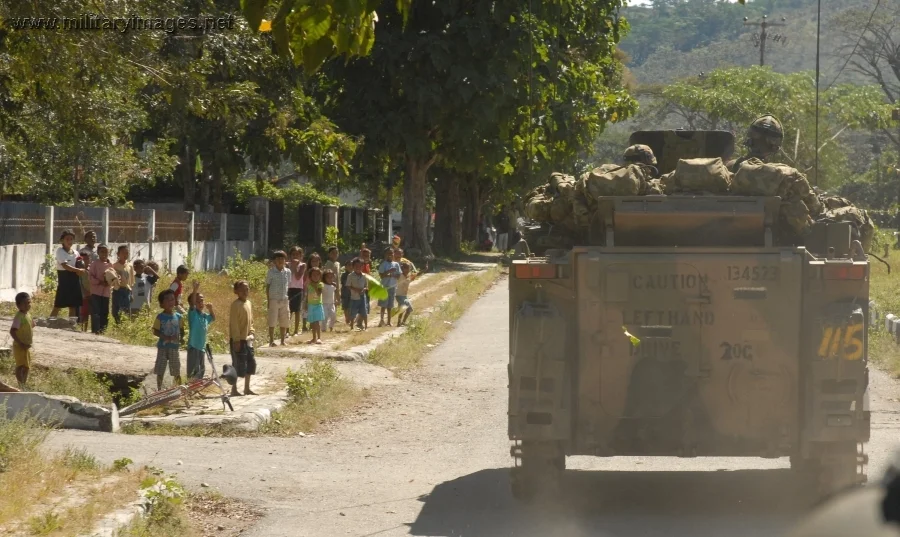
642	154
764	137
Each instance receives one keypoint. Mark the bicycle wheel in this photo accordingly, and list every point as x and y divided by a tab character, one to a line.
153	400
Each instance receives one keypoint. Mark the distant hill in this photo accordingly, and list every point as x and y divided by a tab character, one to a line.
671	39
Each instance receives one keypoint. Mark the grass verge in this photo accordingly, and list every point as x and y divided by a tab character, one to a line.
884	289
60	495
407	350
79	383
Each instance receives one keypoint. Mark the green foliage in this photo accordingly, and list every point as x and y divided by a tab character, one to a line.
312	33
45	524
293	195
120	465
79	459
166	516
247	269
49	277
20	438
310	382
333	238
732	98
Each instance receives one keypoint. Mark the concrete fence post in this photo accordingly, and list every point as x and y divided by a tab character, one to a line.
105	226
151	233
49	239
223	236
252	236
192	219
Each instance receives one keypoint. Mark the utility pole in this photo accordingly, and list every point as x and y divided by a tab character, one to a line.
763	36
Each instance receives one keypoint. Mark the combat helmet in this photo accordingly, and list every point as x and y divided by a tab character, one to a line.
641	154
764	136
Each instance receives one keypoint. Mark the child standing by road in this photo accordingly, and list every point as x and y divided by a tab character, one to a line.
101	289
334	266
145	277
168	327
314	308
295	287
277	280
345	294
328	293
22	332
241	335
359	285
389	270
84	262
198	325
406	276
177	287
121	297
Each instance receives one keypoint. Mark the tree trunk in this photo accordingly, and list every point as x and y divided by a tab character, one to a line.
472	215
446	224
186	171
216	189
415	225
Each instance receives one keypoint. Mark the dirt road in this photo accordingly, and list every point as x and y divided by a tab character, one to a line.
430	457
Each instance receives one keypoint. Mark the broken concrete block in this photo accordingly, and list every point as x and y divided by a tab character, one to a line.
59	323
61	411
889	322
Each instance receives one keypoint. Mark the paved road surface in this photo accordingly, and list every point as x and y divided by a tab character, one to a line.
430	457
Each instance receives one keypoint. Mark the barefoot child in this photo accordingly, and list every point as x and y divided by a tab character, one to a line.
177	287
389	270
101	289
358	286
277	280
295	287
22	332
315	310
403	292
168	326
145	277
334	266
240	333
345	294
328	293
198	325
314	261
83	262
121	297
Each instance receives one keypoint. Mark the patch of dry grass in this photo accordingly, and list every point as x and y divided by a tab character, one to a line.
884	289
60	495
407	350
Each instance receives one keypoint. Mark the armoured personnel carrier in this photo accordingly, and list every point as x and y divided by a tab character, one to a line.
685	326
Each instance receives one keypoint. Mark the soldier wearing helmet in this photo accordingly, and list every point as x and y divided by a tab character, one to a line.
641	154
764	137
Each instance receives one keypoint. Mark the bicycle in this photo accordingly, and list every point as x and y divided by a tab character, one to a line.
187	391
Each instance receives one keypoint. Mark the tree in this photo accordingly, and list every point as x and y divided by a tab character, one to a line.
71	113
731	98
476	85
312	32
873	51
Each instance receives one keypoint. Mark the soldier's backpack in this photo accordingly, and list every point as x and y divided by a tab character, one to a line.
613	180
860	220
698	175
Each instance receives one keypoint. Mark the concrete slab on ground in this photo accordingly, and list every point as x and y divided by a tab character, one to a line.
61	411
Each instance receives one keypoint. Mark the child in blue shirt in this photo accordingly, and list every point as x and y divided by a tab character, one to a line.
198	324
168	327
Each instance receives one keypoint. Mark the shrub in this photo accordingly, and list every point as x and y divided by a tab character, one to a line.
310	382
19	438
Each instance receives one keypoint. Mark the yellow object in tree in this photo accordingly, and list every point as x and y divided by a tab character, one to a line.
265	26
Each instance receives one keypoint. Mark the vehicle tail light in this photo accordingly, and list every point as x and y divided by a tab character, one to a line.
535	271
845	272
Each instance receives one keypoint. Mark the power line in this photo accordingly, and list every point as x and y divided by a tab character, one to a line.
856	46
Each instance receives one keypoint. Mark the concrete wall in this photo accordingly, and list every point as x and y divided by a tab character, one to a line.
20	269
20	264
